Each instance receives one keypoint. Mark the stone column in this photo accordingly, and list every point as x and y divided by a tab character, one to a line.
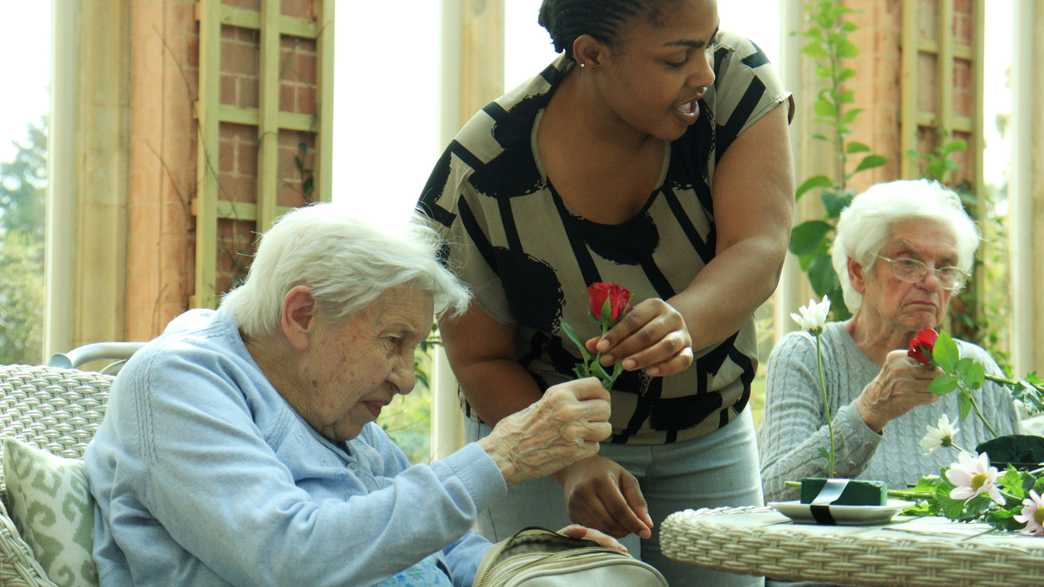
87	224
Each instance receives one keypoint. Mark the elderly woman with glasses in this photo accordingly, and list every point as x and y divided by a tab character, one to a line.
903	250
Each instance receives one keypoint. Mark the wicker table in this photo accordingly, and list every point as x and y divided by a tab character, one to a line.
907	551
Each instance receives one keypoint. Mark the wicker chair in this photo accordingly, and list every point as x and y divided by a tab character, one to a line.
57	410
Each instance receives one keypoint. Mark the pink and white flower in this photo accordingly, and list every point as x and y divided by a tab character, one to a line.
1032	514
972	476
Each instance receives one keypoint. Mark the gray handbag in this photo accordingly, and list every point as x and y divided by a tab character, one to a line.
536	557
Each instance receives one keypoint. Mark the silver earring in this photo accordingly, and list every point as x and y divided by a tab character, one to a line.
583	65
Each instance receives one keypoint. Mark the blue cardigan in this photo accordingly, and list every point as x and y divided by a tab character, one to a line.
204	475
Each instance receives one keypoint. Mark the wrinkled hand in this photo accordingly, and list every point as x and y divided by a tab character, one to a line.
601	494
564	426
900	386
603	540
652	336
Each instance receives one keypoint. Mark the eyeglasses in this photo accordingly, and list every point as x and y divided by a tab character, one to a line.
913	270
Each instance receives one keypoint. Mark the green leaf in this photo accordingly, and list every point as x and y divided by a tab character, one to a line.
807	236
953	146
571	335
847	49
825	108
971	373
945	353
1012	482
964	404
834	204
855	146
943	384
821	275
817	181
846	97
850	116
819	136
848	27
846	74
814	50
869	162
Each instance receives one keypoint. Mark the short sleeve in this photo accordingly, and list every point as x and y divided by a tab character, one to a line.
746	87
460	214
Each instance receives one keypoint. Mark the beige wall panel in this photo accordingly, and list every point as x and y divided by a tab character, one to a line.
162	164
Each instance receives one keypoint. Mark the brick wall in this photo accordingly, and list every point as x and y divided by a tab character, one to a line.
164	89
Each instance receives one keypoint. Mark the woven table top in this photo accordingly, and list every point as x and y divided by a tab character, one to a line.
907	551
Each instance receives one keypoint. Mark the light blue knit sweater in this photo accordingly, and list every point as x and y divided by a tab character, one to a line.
793	430
204	475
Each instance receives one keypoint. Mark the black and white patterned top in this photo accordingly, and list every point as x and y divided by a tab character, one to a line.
529	260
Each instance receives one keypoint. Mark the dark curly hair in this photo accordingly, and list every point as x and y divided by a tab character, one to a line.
566	20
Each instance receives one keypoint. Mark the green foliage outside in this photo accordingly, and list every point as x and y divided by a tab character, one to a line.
23	189
828	45
407	420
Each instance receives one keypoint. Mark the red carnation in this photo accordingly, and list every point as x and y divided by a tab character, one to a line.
922	345
607	297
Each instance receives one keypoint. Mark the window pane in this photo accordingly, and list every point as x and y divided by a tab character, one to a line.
386	102
25	31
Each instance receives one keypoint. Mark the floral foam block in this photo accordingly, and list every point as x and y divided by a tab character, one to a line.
856	492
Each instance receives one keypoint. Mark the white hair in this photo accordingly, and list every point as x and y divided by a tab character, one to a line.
866	224
348	258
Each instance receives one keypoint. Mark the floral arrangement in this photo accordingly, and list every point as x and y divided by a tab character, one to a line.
812	317
971	489
608	303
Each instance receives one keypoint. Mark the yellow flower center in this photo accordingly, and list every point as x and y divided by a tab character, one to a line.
978	480
1039	516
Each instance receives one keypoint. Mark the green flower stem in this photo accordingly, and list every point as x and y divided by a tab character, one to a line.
831	466
1013	383
978	413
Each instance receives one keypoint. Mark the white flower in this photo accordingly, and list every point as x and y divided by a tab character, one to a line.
1032	514
812	316
941	434
972	475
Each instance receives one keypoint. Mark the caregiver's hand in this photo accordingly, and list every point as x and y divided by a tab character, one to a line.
601	494
585	533
652	335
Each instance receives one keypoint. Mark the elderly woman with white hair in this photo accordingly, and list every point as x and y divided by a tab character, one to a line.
239	447
902	250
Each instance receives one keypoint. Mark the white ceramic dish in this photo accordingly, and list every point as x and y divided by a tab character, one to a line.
845	515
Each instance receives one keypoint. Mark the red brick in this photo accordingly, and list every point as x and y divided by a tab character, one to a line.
227	157
239	58
286	98
246	158
249	92
228	90
298	8
306	99
248	4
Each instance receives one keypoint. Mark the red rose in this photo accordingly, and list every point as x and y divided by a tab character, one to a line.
922	345
607	296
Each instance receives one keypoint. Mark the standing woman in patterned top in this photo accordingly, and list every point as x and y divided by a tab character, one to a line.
653	153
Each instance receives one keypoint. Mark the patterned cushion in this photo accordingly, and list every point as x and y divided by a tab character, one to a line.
51	507
18	568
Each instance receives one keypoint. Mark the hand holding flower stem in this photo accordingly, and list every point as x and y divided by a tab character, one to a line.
964	375
607	302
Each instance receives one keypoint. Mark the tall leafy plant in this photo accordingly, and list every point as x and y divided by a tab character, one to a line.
828	45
